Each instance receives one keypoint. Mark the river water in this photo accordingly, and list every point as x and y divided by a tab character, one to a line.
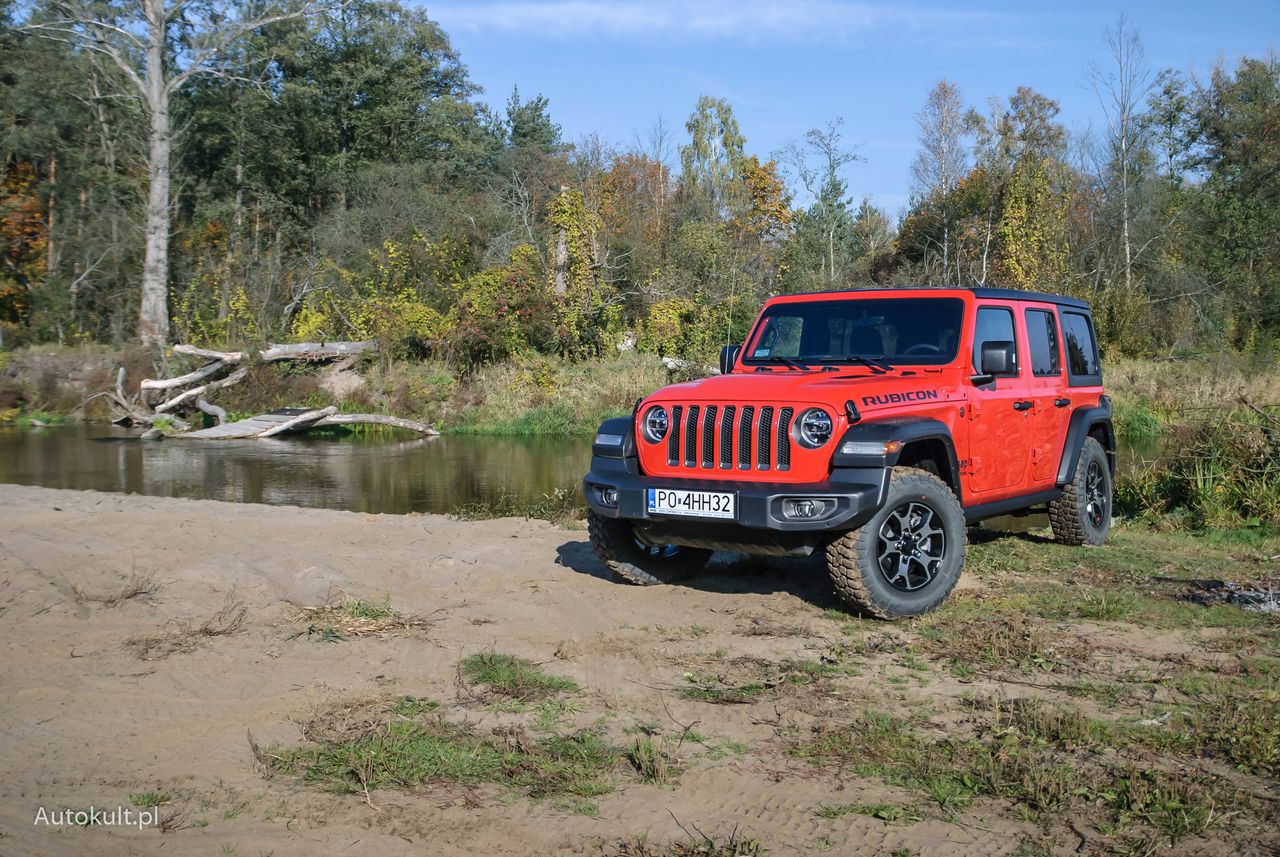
360	473
357	473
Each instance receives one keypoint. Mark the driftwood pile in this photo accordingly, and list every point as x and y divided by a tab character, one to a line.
163	401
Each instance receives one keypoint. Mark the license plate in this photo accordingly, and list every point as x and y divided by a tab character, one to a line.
695	504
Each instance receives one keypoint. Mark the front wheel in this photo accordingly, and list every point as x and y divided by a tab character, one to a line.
632	561
906	560
1082	515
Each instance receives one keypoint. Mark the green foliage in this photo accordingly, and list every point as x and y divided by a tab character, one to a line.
506	311
512	677
1220	473
362	191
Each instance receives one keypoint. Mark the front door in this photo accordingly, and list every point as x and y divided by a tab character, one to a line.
1000	414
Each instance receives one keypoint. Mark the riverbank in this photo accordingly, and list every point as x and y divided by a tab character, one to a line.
539	395
1218	462
234	666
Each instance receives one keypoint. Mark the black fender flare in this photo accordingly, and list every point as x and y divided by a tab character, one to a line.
903	430
1083	421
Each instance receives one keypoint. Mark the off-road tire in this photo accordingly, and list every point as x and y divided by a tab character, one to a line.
627	559
1073	520
853	559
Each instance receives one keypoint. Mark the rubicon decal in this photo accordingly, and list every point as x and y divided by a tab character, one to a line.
896	398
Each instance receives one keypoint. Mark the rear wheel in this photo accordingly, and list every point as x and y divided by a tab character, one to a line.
906	560
631	560
1082	515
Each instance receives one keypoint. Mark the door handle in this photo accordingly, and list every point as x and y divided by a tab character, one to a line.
1024	405
1061	403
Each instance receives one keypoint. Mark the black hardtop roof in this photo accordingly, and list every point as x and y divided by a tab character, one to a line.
977	291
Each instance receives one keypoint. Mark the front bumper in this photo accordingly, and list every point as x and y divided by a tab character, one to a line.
852	496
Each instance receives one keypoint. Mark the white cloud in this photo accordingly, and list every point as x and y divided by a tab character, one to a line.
749	20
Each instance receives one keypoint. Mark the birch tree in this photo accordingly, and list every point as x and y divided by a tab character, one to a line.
158	46
942	159
820	168
1122	91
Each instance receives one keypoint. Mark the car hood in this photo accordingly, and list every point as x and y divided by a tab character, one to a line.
867	390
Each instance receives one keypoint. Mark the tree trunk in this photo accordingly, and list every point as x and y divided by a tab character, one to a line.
51	258
153	317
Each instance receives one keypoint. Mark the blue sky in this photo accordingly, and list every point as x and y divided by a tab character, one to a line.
614	67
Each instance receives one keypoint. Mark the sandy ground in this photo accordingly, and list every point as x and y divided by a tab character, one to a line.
84	720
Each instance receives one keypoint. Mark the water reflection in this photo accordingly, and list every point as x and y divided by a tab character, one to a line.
367	475
358	474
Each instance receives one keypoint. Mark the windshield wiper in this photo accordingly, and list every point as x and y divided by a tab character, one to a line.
788	362
876	366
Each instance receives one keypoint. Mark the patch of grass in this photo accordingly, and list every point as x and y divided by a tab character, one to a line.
727	748
345	618
888	812
412	706
41	419
700	846
1026	753
147	800
1007	640
548	397
512	677
579	806
408	755
712	689
1059	602
1136	420
318	634
561	505
652	761
551	711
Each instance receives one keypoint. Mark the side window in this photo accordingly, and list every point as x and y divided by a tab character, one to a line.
1042	341
994	324
1082	351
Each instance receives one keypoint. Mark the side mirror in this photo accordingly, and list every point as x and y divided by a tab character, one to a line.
728	357
999	357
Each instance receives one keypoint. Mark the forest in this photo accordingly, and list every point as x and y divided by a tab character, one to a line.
224	172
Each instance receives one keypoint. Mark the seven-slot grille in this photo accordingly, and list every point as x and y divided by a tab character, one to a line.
729	436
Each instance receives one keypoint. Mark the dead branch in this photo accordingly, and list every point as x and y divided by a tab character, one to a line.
214	411
195	392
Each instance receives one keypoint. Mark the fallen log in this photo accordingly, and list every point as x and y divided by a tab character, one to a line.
376	419
224	356
314	351
305	420
150	384
196	392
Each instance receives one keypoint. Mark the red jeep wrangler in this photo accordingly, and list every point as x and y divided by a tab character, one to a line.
874	425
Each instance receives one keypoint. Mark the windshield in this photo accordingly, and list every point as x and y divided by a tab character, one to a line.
911	331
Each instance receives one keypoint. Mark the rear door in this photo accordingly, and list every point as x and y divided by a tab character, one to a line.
1000	413
1046	387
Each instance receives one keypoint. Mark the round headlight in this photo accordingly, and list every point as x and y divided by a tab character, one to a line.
814	428
656	424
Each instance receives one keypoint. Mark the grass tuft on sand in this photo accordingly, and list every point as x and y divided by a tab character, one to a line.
512	677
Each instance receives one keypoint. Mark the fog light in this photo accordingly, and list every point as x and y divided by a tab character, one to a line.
807	508
609	496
